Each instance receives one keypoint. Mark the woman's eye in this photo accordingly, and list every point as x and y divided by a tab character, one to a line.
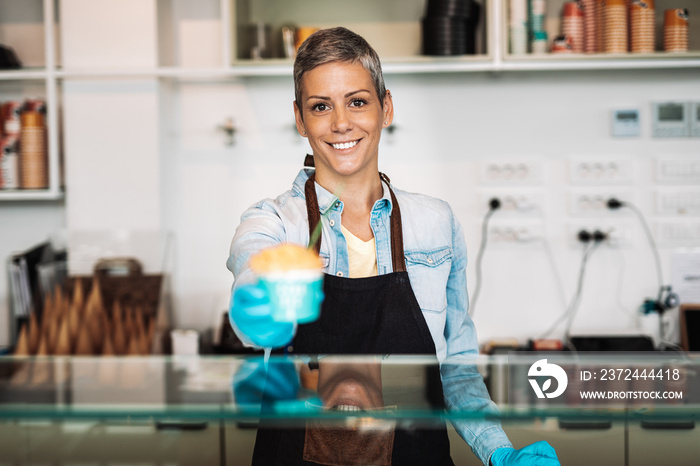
319	107
358	102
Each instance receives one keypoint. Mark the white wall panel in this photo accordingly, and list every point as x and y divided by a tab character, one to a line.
447	126
108	33
112	155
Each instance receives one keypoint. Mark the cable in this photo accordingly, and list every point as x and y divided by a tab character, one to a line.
494	205
577	295
570	310
616	204
662	307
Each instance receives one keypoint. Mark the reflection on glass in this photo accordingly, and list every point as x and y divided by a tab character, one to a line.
350	387
351	392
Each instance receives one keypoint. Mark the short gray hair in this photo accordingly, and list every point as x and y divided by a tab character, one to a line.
337	44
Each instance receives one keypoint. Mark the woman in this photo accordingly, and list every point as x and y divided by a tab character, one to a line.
395	261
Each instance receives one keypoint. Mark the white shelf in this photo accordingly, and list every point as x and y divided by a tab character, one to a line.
41	71
600	62
411	65
159	72
23	75
31	195
225	20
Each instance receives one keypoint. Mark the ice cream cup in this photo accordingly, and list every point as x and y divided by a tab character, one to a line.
295	295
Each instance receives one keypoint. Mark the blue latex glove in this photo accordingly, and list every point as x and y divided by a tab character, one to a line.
250	312
274	386
538	454
255	381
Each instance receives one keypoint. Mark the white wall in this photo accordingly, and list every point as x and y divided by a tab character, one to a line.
447	126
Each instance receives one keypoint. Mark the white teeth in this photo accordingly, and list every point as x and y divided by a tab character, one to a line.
344	145
347	408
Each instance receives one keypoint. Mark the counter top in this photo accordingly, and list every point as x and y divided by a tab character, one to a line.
654	386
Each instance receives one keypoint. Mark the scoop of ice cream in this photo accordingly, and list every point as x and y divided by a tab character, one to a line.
283	258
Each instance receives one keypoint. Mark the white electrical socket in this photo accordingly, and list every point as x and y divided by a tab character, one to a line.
511	172
619	234
594	202
601	170
677	170
675	233
515	233
682	202
514	201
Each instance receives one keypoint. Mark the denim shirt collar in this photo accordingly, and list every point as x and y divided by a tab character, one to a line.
326	200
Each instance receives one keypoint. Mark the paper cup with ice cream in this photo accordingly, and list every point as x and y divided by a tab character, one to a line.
292	275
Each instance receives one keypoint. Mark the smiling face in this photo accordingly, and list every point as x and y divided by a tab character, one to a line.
350	386
342	116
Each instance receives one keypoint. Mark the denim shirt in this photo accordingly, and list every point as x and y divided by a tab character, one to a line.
436	260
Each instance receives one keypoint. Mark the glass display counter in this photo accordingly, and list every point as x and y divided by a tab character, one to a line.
204	410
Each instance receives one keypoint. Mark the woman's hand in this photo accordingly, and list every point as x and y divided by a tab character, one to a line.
536	454
251	314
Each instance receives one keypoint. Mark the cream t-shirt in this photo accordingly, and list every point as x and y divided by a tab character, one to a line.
362	255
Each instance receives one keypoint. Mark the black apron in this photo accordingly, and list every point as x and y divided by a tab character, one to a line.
372	315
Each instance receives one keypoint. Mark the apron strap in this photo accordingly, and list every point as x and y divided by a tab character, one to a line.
314	216
309	160
397	258
312	210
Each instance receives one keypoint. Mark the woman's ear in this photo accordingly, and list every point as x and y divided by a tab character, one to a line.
388	106
299	119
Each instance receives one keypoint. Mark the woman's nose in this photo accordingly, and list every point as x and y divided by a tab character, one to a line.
341	120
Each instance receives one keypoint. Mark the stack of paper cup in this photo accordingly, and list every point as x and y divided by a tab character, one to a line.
642	26
33	166
615	24
600	25
539	42
572	25
537	14
518	26
590	26
9	144
676	30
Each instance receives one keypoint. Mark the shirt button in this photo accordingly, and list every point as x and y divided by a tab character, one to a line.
340	274
430	261
332	222
337	203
